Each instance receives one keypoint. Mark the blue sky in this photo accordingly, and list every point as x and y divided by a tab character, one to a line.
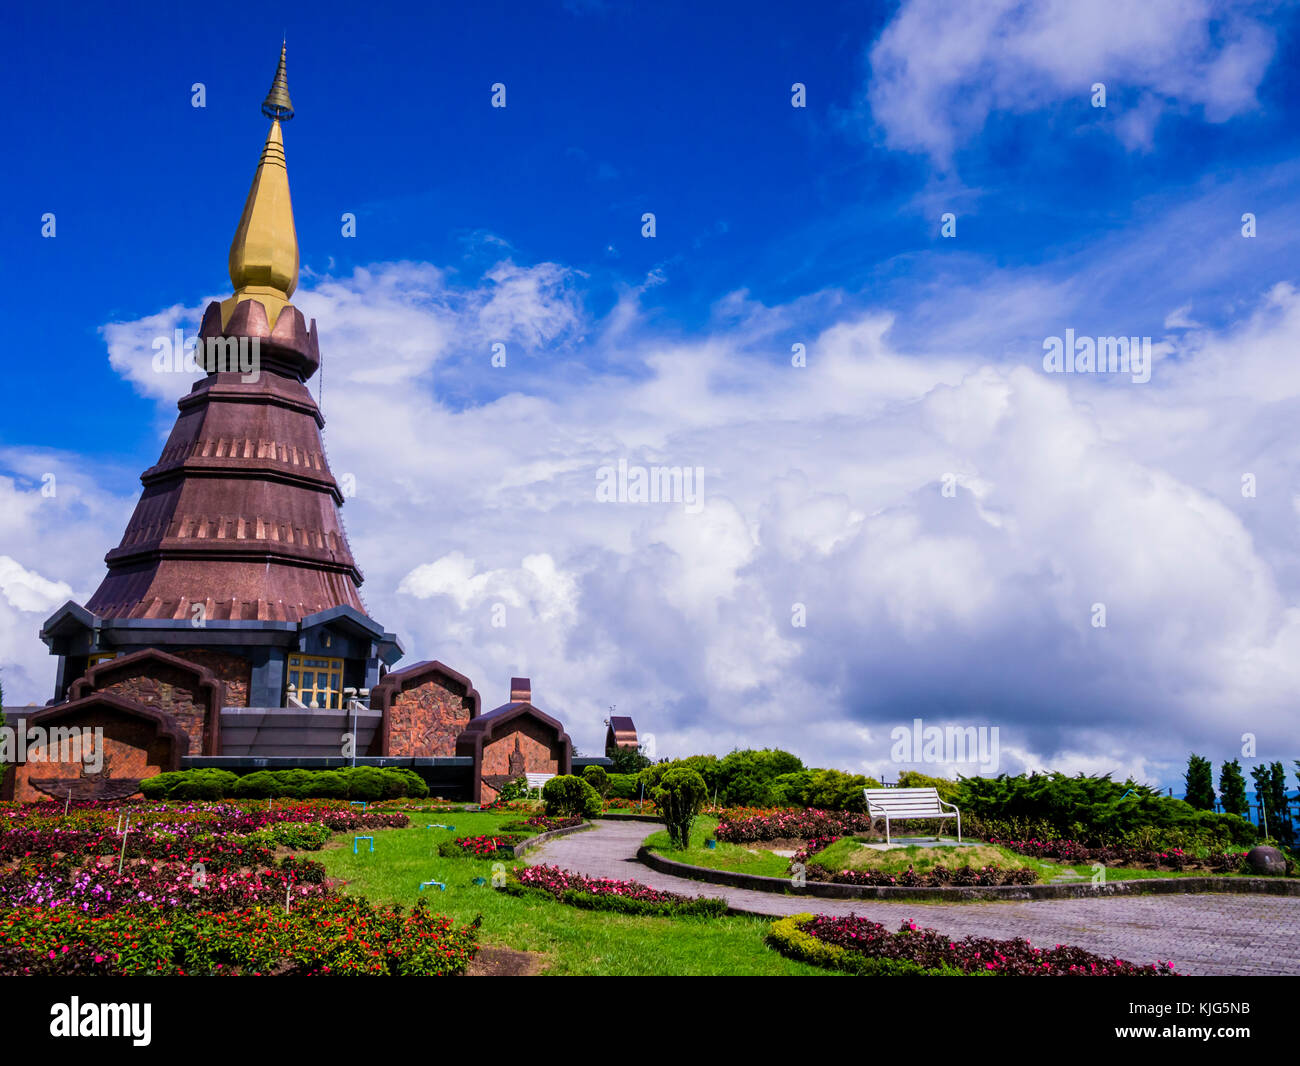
775	226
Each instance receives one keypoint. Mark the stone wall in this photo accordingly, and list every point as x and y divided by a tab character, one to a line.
171	691
132	751
234	671
527	747
426	720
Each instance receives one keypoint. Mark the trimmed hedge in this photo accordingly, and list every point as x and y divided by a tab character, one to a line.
788	937
569	796
353	783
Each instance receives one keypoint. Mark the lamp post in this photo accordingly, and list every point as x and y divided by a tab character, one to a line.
350	694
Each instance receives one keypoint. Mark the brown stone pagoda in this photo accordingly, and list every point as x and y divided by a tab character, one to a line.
236	554
229	630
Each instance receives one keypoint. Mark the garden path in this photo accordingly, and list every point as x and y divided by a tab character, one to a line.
1209	933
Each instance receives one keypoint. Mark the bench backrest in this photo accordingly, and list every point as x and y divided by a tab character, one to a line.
904	802
537	780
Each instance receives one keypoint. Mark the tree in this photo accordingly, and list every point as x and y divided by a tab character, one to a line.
1263	779
1199	783
1232	789
680	795
3	768
596	777
1278	807
627	760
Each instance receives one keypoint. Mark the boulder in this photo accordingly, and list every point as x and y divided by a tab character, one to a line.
1266	860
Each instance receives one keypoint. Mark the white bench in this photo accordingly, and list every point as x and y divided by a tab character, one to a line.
901	803
536	781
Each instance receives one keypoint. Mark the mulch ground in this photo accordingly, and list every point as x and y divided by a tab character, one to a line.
504	962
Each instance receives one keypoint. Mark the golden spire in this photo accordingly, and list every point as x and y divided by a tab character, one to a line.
277	103
264	253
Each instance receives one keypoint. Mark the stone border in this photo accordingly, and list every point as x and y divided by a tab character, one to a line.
1271	886
525	846
631	818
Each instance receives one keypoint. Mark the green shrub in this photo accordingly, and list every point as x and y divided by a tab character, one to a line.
596	777
948	790
624	786
680	794
367	783
155	788
258	785
834	790
329	784
513	790
1093	810
412	783
293	784
360	782
207	784
567	796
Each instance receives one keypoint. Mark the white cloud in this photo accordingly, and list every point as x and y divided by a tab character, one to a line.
26	590
822	488
939	69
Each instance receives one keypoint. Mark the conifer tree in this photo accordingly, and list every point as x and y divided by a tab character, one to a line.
1199	782
1232	789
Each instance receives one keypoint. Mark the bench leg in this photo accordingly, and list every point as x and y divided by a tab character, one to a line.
887	840
958	827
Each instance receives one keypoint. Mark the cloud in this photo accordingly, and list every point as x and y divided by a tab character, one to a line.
26	590
938	71
824	502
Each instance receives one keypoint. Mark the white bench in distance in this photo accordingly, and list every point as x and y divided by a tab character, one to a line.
900	803
536	781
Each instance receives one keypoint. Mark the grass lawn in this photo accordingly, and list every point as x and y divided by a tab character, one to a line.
750	859
571	941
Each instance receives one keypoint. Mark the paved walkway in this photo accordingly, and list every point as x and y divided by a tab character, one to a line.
1210	933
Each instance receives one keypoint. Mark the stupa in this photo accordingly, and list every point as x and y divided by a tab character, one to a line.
236	557
229	630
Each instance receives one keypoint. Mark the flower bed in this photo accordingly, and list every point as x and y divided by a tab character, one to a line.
857	945
98	888
483	846
934	878
1071	852
540	823
604	893
337	936
792	824
200	892
181	821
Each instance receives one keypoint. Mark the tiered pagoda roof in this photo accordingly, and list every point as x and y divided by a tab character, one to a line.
241	511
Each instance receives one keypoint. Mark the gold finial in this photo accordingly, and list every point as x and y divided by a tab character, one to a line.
277	103
264	253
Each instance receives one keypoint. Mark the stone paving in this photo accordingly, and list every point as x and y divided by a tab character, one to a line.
1210	933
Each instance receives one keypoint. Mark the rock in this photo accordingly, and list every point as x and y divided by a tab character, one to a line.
1266	860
